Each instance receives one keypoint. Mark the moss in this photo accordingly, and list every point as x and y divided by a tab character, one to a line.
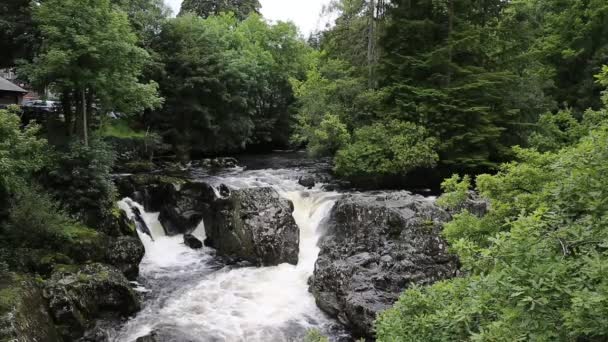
8	298
70	269
138	166
120	129
78	232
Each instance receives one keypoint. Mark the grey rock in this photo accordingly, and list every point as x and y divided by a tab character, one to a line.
151	337
24	315
79	294
126	253
184	212
307	181
254	225
192	242
376	246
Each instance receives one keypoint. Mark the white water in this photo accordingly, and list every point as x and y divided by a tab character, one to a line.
192	298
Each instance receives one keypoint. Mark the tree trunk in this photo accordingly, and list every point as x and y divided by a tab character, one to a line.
371	43
85	125
450	29
68	114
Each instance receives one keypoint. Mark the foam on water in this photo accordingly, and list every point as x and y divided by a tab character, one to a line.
193	299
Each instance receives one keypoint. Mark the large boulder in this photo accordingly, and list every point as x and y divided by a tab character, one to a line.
254	225
307	182
184	212
79	294
24	315
150	190
375	247
125	253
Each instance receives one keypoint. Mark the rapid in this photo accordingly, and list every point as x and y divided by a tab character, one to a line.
191	295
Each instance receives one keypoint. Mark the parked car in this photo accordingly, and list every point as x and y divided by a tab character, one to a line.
41	105
39	110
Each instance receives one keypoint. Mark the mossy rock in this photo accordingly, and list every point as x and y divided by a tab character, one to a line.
78	295
36	261
24	315
137	166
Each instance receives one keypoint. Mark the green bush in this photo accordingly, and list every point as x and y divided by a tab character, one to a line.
36	221
535	265
81	181
393	148
331	135
21	152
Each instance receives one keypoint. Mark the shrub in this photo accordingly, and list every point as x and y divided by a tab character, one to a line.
331	135
21	152
535	264
36	220
394	148
81	181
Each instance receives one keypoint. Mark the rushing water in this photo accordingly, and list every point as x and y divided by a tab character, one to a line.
190	296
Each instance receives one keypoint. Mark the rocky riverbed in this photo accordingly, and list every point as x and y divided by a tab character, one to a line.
259	253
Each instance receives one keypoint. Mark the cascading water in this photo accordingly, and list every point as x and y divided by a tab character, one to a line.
190	297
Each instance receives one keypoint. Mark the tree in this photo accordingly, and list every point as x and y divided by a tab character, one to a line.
90	55
18	35
438	66
227	82
205	8
393	148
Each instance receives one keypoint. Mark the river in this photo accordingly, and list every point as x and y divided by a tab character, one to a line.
190	295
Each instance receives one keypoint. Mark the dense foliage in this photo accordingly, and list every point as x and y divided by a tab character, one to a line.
227	82
475	75
205	8
534	266
79	37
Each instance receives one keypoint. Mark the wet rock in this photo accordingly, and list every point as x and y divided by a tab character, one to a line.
151	337
254	225
96	334
117	224
126	253
216	163
78	294
307	181
150	190
192	242
224	190
24	315
375	247
184	212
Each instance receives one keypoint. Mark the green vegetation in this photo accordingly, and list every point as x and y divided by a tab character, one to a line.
226	82
204	8
392	90
475	75
534	265
120	128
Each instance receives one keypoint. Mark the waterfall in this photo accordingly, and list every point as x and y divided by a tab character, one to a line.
189	297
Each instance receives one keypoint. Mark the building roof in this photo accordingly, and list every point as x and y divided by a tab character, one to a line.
6	85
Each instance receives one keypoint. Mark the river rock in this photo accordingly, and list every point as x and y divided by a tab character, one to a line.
78	294
192	242
307	182
216	163
254	225
184	212
24	315
125	253
151	337
375	247
150	190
